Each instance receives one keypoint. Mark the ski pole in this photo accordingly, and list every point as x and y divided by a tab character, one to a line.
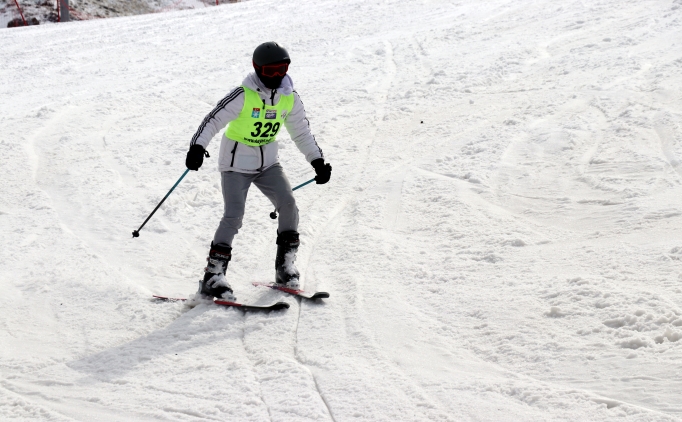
273	214
136	233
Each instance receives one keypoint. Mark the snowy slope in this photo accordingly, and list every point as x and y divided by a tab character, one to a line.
45	11
516	256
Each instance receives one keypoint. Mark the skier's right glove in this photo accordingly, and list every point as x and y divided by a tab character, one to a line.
323	171
195	157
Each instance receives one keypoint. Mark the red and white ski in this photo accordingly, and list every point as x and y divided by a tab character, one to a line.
273	307
297	292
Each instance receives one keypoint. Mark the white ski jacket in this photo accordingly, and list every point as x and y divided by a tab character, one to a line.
235	156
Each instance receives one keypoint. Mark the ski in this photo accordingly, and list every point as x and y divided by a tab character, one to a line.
273	307
297	292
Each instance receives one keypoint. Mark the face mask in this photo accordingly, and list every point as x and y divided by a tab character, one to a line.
272	82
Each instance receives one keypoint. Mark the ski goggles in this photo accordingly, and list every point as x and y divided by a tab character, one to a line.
272	70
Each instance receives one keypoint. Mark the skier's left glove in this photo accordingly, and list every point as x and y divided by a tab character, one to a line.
323	171
195	157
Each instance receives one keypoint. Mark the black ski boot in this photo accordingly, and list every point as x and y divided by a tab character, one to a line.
286	272
214	283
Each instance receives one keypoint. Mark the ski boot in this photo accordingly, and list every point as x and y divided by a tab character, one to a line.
214	283
286	273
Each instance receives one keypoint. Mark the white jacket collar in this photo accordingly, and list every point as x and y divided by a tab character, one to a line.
252	82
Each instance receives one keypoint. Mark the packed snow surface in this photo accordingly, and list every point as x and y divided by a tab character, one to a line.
500	237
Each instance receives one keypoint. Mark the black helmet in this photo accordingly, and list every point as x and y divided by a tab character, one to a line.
270	52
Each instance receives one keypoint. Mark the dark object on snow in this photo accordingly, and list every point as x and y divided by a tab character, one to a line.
14	23
63	7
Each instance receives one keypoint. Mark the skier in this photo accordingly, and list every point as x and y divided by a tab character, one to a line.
256	111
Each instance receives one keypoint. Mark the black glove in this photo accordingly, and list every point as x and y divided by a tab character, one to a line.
195	157
323	171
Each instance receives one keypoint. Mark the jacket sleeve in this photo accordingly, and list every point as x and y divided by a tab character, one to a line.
227	110
298	127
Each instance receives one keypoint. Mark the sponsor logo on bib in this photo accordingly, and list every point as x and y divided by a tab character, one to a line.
270	114
255	113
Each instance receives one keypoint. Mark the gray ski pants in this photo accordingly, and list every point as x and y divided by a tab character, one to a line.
274	185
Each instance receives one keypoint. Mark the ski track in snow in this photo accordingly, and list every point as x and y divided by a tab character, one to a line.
500	237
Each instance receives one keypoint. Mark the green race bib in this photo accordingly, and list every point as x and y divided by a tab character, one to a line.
258	124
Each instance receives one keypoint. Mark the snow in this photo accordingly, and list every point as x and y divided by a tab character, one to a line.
500	236
45	11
